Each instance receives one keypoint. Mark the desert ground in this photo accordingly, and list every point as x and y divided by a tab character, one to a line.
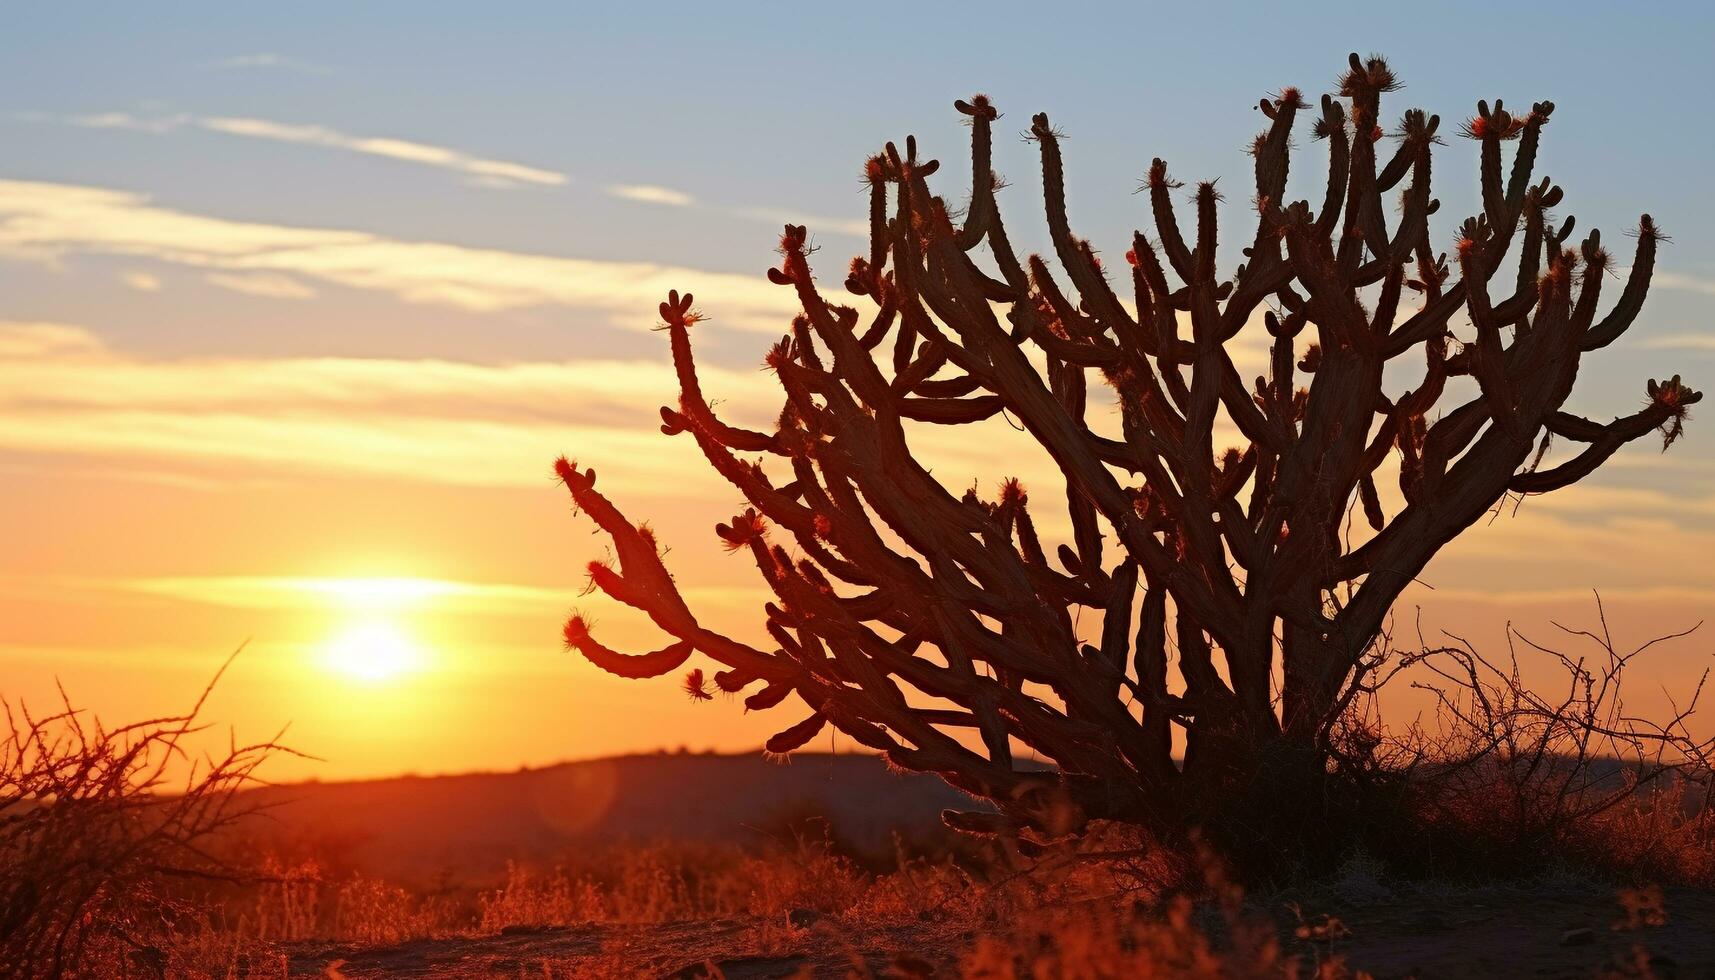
689	865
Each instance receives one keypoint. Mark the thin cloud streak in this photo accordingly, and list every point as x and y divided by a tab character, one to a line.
123	120
1682	341
143	282
300	593
667	196
1683	283
478	172
489	172
64	394
269	60
265	284
46	222
839	226
382	146
651	194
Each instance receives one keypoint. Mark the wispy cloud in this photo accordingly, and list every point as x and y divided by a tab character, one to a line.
425	154
126	120
479	170
65	394
67	400
1682	341
283	592
275	61
21	342
815	223
143	282
488	171
654	194
48	221
1683	283
265	284
650	194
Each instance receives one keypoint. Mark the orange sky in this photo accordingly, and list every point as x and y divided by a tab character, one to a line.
289	342
131	576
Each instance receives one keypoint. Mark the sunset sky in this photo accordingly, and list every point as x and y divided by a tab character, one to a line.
298	304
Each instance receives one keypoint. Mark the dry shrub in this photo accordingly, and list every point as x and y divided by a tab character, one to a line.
1504	781
102	848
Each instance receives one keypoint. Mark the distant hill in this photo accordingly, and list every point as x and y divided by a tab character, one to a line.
412	826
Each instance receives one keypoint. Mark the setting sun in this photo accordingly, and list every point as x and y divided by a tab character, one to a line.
372	650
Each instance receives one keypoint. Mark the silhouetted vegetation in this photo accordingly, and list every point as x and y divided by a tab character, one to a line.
102	831
1243	608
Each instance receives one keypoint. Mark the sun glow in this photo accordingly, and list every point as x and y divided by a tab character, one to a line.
372	650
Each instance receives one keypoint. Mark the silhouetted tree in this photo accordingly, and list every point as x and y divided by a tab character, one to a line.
934	627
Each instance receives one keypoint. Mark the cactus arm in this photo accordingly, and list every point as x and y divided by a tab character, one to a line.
1161	189
1632	298
1074	255
1666	410
1332	127
635	666
1487	363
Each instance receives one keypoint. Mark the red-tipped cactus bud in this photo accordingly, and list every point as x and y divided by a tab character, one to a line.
1675	400
1311	360
672	423
568	473
746	529
676	312
1496	125
696	686
576	631
1158	179
978	107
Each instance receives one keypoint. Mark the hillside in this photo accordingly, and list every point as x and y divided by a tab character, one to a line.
415	827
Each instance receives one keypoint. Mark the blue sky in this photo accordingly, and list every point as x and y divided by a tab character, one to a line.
775	105
356	272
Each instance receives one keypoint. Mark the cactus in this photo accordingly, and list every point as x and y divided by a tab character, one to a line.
935	628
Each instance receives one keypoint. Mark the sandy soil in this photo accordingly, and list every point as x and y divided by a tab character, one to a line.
682	949
1490	932
1518	932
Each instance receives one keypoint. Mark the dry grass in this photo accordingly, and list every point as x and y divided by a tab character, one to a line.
1080	912
1102	906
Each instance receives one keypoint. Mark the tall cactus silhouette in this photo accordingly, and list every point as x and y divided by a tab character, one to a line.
933	625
